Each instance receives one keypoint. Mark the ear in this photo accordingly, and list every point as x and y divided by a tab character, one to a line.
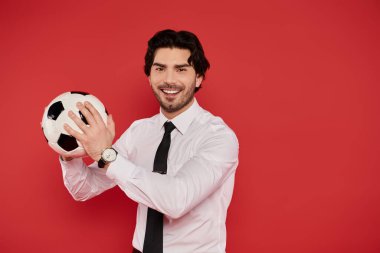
198	80
150	82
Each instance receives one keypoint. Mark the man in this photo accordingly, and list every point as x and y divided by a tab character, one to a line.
178	165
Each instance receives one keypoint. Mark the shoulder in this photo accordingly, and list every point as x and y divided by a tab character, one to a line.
215	134
214	126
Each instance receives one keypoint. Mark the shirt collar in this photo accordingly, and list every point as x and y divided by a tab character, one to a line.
183	120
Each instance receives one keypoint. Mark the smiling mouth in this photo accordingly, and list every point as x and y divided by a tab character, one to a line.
170	91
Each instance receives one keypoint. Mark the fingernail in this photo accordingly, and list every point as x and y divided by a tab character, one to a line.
79	104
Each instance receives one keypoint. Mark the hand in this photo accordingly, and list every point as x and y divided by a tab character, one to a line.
96	136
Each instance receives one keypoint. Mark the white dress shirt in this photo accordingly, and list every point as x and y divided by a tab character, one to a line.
194	194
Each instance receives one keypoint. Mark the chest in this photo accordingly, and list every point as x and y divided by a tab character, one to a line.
182	149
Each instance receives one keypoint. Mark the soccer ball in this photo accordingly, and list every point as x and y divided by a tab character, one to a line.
56	115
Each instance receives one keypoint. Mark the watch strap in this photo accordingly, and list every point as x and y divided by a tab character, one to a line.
101	163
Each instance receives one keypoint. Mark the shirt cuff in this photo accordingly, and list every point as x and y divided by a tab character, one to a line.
121	169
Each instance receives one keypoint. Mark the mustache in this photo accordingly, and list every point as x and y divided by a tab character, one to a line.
169	86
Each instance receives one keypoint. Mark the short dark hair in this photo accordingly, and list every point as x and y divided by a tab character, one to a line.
183	40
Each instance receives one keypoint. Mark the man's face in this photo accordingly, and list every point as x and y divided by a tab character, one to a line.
173	80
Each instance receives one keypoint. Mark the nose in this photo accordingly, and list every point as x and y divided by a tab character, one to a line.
170	77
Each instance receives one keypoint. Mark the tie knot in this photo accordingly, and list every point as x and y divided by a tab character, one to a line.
169	127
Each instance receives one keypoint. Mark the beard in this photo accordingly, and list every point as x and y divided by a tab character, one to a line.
181	100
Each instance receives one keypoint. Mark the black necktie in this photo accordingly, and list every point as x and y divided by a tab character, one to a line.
153	242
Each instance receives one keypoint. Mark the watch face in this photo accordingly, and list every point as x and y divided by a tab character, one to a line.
109	155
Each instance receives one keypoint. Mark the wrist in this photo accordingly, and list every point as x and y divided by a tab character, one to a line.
65	158
108	155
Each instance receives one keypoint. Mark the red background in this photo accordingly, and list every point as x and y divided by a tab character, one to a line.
298	81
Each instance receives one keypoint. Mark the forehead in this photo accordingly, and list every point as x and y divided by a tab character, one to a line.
171	56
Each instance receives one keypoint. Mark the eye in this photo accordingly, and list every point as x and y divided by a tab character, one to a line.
159	69
181	69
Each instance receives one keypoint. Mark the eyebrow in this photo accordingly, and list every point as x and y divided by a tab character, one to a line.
178	66
159	65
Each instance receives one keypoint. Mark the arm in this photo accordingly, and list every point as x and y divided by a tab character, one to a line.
82	181
86	182
214	162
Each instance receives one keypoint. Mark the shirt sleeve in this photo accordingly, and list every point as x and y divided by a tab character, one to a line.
215	160
82	181
85	182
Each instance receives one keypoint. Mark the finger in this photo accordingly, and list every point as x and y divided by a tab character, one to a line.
111	125
78	122
87	114
94	113
72	132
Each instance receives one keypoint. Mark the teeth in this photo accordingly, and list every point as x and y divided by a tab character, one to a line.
171	91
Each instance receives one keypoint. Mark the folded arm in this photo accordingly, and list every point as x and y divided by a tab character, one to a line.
214	162
82	181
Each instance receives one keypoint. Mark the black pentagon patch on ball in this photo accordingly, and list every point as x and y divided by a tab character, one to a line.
55	110
83	118
80	92
67	142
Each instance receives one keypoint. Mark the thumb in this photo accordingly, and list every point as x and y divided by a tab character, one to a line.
111	124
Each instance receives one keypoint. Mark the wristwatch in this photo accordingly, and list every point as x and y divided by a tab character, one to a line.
108	155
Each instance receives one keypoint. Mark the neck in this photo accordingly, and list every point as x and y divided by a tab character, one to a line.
172	115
